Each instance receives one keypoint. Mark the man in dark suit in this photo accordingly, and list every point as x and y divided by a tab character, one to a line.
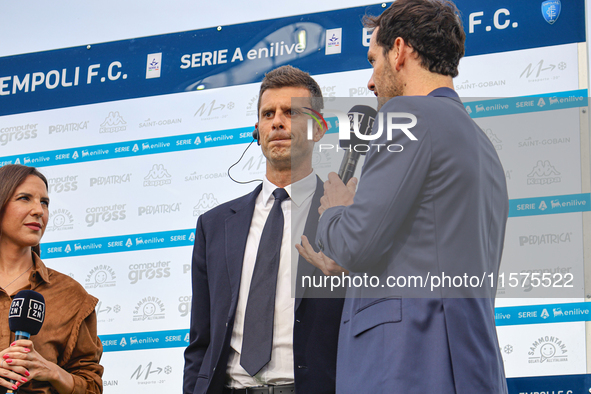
298	354
436	208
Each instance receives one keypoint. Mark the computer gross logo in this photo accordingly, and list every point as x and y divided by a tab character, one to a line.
17	133
148	271
64	184
115	212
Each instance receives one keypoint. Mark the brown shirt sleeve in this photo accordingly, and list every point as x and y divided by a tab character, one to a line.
83	363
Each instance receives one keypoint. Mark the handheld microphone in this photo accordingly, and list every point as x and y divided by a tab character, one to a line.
364	116
26	316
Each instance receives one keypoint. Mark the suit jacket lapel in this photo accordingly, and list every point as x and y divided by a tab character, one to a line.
305	268
236	232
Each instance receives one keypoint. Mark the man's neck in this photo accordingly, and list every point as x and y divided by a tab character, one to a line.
424	82
288	176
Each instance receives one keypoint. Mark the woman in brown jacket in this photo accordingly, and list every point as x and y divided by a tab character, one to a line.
64	357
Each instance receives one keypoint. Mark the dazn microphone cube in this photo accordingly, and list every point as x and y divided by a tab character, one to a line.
26	314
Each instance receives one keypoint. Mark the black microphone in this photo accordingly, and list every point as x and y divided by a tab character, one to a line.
26	316
364	115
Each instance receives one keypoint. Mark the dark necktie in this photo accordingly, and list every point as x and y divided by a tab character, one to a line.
257	339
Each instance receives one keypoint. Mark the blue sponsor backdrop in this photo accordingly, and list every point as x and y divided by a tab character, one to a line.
240	54
504	316
476	109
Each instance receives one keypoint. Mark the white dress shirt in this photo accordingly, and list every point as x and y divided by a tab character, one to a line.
280	369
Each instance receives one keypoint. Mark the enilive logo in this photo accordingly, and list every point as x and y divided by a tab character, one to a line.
157	176
159	209
156	270
110	180
60	219
543	173
68	183
149	308
18	133
548	349
113	123
207	202
100	276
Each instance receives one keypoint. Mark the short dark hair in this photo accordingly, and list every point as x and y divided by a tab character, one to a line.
11	177
288	76
432	28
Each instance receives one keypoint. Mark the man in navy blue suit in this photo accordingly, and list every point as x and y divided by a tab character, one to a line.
228	242
436	208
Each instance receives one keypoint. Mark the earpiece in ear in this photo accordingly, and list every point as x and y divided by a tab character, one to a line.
255	135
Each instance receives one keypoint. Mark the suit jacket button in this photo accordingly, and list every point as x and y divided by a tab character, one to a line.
302	367
320	245
297	321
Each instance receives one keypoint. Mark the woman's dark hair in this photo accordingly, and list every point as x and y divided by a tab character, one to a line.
11	177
